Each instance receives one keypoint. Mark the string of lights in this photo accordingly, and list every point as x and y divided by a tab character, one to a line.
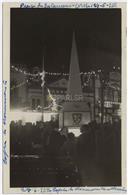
54	105
111	86
58	73
43	82
42	78
41	75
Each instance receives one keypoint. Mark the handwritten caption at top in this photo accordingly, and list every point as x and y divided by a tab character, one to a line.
69	5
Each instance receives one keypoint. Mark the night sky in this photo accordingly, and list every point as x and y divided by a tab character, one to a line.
49	31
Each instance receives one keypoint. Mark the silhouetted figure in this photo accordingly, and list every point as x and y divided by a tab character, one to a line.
85	149
69	146
54	142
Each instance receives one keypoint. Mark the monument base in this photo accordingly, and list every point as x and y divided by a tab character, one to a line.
74	114
73	119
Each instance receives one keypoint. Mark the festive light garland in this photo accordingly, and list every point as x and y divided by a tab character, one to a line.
116	88
85	84
42	78
42	74
37	74
54	105
58	73
45	108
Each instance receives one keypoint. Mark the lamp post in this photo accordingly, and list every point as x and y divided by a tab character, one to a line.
42	85
94	94
102	101
103	80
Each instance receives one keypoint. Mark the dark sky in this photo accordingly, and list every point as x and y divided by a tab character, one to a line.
97	37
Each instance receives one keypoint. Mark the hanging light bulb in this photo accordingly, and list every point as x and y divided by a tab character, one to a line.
42	78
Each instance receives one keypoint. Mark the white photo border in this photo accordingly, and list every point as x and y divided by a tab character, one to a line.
6	97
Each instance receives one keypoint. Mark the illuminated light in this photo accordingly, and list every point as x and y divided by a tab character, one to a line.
75	130
30	116
64	74
54	106
47	116
25	116
100	114
49	73
47	107
42	78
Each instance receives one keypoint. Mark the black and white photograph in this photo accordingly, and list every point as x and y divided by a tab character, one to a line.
65	97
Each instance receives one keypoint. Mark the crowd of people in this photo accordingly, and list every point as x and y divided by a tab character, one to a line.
96	152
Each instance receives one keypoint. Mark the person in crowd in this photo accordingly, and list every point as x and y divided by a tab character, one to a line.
64	131
86	151
54	142
45	136
69	146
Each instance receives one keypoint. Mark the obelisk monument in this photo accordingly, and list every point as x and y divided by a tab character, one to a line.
75	108
74	84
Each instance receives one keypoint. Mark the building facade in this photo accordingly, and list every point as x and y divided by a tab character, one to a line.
27	94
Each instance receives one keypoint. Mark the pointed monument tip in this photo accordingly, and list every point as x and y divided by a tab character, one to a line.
74	84
74	37
73	33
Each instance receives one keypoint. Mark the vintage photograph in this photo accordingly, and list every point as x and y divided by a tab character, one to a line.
65	97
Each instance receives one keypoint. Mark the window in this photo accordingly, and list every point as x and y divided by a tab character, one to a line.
38	102
33	104
116	96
